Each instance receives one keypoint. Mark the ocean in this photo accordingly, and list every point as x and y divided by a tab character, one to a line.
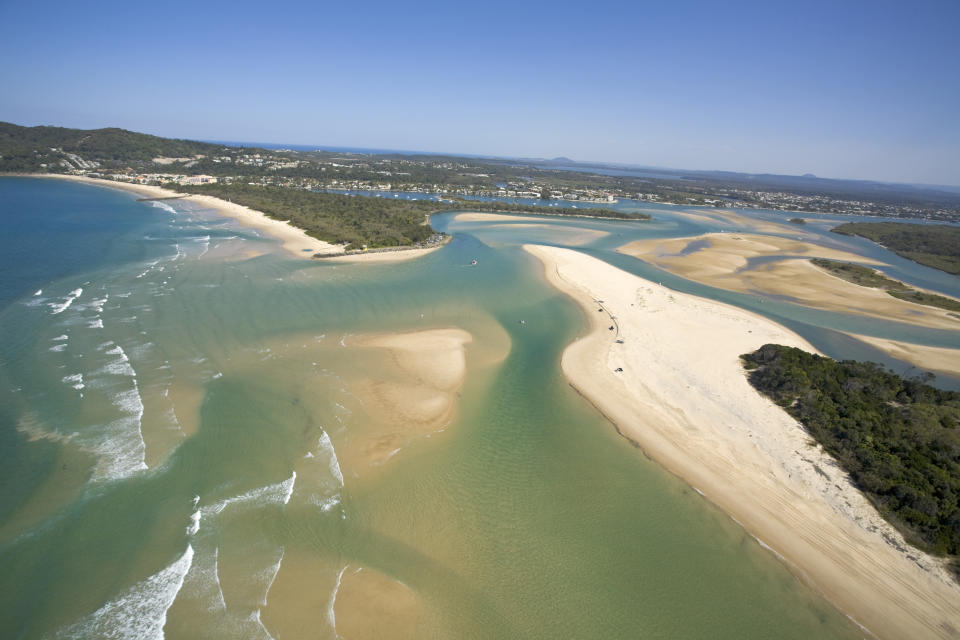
194	445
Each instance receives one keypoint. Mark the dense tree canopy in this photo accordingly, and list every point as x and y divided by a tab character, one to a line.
898	438
936	246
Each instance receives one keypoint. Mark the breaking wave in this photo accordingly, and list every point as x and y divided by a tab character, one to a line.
140	612
60	307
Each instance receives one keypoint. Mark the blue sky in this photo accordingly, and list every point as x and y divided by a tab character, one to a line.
843	89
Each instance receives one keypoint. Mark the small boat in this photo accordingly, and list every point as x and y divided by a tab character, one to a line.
473	263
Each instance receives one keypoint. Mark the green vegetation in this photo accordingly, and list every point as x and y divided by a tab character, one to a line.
364	220
32	149
899	439
797	221
936	246
871	278
62	150
331	217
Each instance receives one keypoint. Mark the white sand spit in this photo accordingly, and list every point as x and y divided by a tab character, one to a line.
684	398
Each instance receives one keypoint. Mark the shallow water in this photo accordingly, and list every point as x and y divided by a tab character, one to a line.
189	458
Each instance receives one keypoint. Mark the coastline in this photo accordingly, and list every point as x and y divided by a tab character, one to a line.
293	239
683	398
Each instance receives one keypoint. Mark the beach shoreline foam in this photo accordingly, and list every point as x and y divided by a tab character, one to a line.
683	398
293	239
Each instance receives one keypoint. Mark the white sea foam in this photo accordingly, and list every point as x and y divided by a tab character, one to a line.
255	618
194	525
289	489
206	246
120	449
39	291
63	337
75	380
96	323
325	449
120	366
271	494
97	304
270	573
331	616
202	583
120	444
162	205
140	612
150	266
58	347
325	504
60	307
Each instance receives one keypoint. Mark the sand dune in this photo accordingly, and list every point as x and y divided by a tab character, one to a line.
683	397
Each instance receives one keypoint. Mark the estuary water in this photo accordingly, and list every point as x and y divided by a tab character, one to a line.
182	419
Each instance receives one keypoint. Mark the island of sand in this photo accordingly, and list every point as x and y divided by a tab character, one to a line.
668	375
780	268
568	234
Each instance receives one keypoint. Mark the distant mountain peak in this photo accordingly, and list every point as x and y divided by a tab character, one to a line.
808	175
562	159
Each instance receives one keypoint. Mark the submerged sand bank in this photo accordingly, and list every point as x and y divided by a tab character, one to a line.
413	394
370	606
683	397
722	261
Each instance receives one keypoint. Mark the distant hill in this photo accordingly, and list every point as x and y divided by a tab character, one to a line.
38	148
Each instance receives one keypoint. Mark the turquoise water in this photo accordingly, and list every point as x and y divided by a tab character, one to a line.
183	423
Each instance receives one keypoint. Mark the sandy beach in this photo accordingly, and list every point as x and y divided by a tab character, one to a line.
935	359
683	397
722	260
294	240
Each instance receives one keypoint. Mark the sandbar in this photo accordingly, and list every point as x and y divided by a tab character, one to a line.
370	606
684	398
725	216
400	255
722	262
941	359
494	217
413	394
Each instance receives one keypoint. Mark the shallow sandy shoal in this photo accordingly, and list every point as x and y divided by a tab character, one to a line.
941	359
684	398
494	217
724	264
